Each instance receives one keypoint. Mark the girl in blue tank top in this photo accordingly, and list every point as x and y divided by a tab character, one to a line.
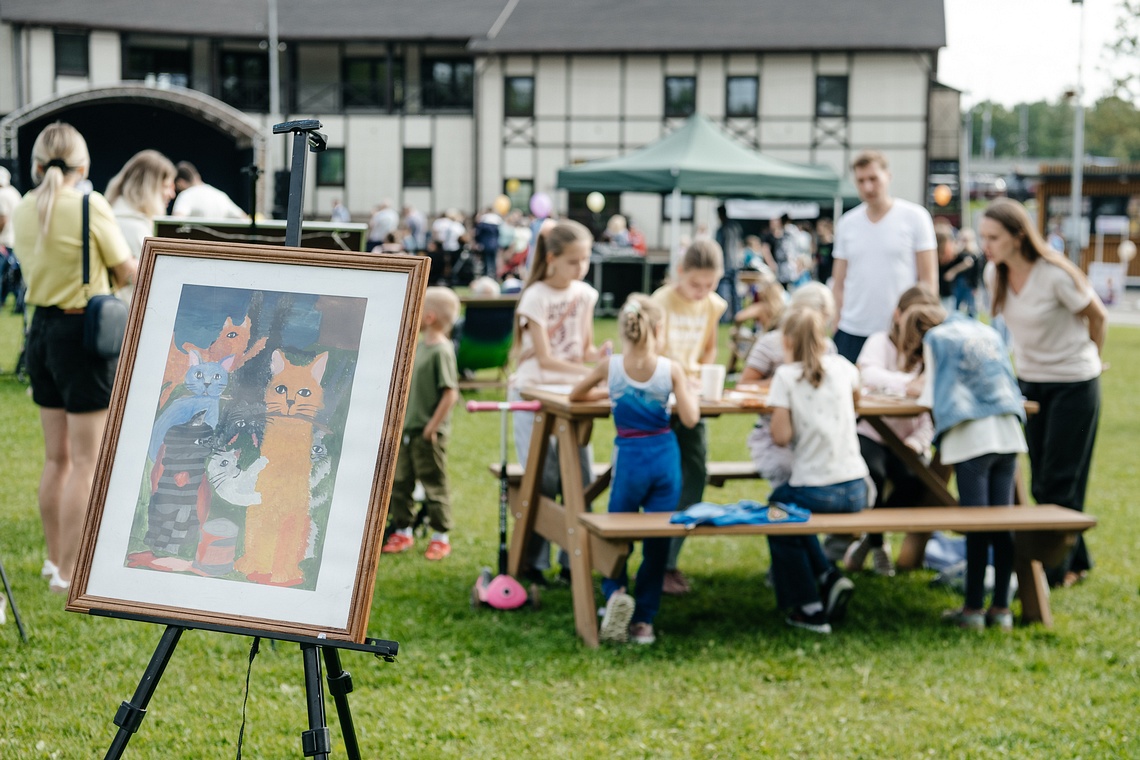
646	459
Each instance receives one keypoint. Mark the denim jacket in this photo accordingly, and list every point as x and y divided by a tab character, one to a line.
973	377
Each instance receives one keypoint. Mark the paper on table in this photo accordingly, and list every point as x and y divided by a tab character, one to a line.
554	388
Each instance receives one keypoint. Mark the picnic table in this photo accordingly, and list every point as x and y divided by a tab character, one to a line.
582	534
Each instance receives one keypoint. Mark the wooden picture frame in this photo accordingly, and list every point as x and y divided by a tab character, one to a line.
247	462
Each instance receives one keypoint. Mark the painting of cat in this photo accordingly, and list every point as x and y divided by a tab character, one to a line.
235	485
233	340
177	503
206	382
277	530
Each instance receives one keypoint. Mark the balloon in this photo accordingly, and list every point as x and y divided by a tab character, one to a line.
1126	251
595	201
502	205
513	185
942	195
541	205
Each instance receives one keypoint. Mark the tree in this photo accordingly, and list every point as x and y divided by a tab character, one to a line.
1112	128
1126	49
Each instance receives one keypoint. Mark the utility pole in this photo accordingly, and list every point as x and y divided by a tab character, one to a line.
1077	185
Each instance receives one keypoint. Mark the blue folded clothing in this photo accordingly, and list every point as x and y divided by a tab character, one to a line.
744	512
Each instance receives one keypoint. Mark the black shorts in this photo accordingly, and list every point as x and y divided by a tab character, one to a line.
63	374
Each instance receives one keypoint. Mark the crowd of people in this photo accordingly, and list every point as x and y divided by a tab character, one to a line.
881	324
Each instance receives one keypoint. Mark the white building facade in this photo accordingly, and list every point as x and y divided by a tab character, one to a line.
499	108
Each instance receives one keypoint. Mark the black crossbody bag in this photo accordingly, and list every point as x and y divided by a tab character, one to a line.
105	319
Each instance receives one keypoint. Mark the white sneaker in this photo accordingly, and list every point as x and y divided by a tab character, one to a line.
615	623
58	585
49	569
3	610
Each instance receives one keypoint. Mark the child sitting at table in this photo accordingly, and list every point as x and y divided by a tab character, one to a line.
646	458
813	399
969	385
772	462
692	312
888	362
554	334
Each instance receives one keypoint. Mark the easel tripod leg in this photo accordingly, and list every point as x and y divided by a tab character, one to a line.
340	685
316	742
130	714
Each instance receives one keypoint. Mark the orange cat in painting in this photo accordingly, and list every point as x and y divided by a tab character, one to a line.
233	340
277	530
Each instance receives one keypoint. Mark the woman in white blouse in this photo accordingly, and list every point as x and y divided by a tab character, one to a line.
1058	327
140	192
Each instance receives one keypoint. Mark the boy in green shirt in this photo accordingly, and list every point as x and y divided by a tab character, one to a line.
427	424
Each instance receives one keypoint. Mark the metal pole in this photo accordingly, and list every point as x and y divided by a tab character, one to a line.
1076	195
273	160
675	230
964	170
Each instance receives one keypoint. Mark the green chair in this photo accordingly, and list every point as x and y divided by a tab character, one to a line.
484	340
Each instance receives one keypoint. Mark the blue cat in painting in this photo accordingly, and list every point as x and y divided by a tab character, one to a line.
206	381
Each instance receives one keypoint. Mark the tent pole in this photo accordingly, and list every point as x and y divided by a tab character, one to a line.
837	210
675	231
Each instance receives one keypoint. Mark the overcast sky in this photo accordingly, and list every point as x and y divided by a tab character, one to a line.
1013	51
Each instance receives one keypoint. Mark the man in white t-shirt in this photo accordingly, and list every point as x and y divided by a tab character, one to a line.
882	247
199	200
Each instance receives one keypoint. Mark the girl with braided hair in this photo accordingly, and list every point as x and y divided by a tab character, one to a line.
646	458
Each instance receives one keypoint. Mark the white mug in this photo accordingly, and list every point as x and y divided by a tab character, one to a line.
712	381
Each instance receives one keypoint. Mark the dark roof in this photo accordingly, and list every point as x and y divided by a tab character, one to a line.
458	20
719	25
531	25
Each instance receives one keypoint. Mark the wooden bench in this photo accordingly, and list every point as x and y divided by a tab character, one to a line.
1042	534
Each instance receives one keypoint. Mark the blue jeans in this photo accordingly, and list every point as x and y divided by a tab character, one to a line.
964	294
987	481
646	474
848	346
798	561
726	289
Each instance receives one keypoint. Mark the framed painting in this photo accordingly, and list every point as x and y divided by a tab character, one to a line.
245	471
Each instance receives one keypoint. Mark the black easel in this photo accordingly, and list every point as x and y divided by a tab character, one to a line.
12	605
317	741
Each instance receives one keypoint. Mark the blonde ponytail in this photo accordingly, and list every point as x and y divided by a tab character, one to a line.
58	151
639	319
805	330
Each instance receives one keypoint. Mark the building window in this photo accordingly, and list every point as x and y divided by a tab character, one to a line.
330	167
368	83
685	212
680	96
519	191
448	83
167	65
71	59
741	96
417	167
830	96
245	80
518	99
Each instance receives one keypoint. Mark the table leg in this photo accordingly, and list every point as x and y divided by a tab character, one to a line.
934	476
528	498
1033	589
578	545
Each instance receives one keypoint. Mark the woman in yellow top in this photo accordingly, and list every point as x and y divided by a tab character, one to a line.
71	387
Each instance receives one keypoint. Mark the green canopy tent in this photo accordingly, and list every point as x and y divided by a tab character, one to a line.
700	159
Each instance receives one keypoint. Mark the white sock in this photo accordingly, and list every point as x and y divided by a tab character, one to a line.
406	532
441	537
811	609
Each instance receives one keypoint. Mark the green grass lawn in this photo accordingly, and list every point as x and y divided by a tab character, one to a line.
726	678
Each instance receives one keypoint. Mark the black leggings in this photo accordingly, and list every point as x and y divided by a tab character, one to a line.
1060	438
884	465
